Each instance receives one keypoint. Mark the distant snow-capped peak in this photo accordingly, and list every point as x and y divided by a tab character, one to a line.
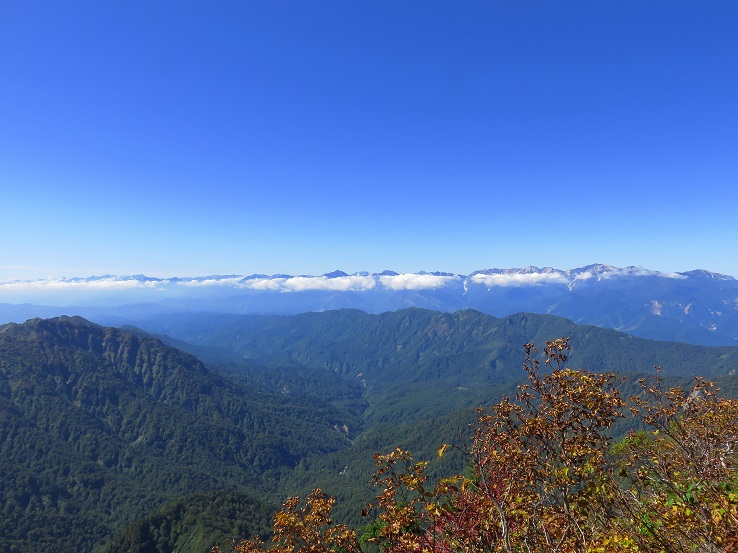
341	281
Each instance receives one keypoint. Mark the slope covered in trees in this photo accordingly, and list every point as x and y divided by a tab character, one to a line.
112	437
99	426
405	350
542	476
424	372
193	523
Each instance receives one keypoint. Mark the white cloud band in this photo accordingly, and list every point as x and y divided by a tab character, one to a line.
95	286
518	279
411	281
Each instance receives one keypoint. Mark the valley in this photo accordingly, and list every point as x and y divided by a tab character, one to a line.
189	430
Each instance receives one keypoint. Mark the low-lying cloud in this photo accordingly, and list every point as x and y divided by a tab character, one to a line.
338	284
108	283
518	279
128	287
411	281
638	272
205	282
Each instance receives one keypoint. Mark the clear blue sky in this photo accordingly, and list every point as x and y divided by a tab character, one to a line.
189	138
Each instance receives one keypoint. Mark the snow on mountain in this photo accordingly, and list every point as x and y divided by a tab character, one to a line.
341	281
695	306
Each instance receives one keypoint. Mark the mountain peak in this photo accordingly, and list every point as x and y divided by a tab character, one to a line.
335	274
702	273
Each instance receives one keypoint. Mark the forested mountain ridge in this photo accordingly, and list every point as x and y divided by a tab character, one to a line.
99	426
415	345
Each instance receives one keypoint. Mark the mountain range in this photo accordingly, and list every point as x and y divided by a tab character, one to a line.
698	307
116	440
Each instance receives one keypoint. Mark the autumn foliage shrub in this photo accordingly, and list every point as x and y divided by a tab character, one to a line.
545	477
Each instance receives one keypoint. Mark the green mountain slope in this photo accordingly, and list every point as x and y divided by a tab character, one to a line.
100	426
423	372
112	438
193	524
416	345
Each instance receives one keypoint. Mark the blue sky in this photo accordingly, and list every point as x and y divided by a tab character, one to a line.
193	138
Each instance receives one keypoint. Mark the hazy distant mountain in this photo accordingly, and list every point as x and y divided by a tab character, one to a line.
697	306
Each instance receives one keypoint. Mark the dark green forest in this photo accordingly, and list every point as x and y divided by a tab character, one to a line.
99	427
117	440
